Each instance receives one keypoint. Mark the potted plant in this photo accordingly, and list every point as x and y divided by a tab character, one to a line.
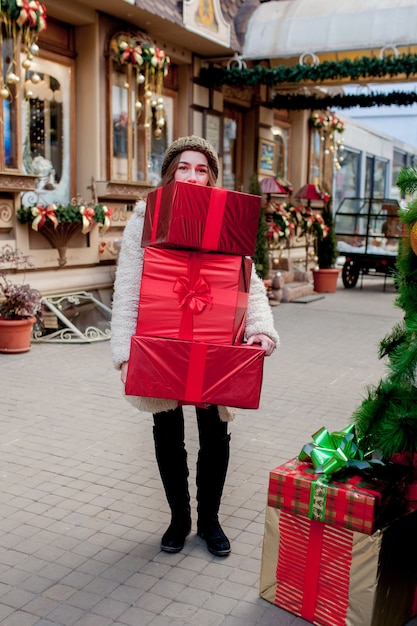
19	304
325	277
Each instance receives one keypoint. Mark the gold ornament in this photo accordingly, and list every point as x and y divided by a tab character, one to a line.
413	238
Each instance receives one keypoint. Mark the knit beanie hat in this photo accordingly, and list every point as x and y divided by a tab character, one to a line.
198	144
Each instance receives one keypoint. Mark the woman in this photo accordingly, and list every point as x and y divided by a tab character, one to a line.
192	160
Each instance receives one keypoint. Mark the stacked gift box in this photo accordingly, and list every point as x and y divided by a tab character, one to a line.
194	298
340	551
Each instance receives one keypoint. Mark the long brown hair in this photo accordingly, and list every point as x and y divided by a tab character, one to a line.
172	168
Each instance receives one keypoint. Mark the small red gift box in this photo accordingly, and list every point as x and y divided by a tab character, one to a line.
180	215
333	576
194	372
359	502
198	296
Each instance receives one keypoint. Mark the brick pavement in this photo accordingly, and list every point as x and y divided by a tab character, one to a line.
82	507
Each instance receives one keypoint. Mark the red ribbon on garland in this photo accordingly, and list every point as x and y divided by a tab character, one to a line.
41	214
87	214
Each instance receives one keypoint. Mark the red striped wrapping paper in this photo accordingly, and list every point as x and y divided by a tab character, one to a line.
333	576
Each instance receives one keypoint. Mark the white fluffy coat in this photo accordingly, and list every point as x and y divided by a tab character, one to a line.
126	301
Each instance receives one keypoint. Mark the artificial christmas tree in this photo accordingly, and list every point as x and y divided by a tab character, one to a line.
387	418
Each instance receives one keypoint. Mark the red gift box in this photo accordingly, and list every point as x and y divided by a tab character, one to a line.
194	372
359	502
180	215
333	576
198	296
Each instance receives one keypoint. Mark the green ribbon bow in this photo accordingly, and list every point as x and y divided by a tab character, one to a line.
332	452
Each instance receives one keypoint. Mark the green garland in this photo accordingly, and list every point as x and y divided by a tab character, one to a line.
298	102
65	213
364	67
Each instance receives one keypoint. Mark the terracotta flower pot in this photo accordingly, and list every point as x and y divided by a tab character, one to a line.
325	280
15	335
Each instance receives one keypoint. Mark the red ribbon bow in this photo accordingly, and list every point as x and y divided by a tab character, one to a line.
87	219
41	213
195	297
32	13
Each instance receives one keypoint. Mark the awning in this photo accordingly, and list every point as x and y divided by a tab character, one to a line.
289	28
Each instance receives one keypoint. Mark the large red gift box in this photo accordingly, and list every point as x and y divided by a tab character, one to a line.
181	215
359	502
198	296
333	576
195	372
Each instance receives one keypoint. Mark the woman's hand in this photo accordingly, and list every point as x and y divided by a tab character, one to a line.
123	371
266	343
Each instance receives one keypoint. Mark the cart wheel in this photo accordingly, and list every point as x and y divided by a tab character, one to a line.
350	274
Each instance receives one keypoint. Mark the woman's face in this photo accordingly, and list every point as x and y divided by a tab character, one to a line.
192	168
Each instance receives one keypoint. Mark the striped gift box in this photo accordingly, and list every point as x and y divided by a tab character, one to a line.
334	576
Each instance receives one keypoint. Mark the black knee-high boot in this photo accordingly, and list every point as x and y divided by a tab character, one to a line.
171	457
212	464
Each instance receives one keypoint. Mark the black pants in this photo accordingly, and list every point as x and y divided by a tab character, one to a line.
212	463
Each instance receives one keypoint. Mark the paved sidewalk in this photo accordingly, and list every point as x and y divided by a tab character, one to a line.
82	506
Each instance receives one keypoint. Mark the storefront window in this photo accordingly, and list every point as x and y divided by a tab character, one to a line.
315	157
346	182
375	177
46	131
281	137
399	161
229	153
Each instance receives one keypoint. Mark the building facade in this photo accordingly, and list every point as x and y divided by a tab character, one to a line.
91	102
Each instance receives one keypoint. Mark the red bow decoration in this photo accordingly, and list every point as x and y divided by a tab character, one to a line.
41	214
88	218
132	54
196	298
108	212
33	14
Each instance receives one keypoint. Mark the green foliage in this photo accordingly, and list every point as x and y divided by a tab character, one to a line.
326	246
387	418
392	340
364	67
407	181
64	213
300	102
260	258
